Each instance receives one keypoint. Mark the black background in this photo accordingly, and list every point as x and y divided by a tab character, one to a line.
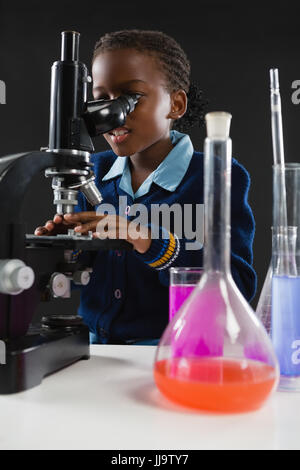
231	46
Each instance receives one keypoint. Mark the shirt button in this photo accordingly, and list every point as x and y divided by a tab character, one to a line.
118	294
127	210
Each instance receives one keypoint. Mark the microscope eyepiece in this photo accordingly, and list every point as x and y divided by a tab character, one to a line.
132	101
102	116
70	45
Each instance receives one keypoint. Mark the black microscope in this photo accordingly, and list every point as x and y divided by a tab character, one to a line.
43	268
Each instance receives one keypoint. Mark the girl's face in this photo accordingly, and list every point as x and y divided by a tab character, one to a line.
127	71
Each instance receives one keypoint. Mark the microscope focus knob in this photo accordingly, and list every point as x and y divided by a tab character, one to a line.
81	278
59	285
15	276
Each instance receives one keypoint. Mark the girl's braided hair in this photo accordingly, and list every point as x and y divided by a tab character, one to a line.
171	59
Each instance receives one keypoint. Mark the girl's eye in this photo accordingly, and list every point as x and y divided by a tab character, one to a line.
132	93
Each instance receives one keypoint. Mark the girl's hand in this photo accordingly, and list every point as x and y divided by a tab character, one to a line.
55	226
111	226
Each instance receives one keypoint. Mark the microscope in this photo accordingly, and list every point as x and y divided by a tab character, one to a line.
33	268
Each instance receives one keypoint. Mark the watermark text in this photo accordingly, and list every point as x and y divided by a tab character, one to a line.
184	220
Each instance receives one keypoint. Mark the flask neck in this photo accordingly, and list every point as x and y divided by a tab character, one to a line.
284	240
217	191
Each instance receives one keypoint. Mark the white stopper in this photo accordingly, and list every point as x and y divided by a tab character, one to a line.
218	124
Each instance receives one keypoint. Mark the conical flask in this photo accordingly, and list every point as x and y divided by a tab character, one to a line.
282	262
215	355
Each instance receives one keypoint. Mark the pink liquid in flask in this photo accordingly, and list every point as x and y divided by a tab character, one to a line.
177	295
202	334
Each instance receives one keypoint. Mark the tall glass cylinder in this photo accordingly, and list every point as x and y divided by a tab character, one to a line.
215	355
264	305
285	312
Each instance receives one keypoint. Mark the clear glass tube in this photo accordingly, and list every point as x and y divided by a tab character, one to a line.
264	305
215	355
276	118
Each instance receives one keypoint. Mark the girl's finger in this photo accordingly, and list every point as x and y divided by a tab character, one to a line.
90	226
40	231
57	219
104	235
115	233
80	217
49	225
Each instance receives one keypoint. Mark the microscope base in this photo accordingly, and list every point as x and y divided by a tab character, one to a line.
40	353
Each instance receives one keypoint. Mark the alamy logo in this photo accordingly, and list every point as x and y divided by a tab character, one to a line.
2	92
188	221
2	352
296	354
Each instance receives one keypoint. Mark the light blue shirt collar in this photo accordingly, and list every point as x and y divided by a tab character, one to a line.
168	174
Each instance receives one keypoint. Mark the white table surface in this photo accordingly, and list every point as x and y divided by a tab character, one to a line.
111	402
